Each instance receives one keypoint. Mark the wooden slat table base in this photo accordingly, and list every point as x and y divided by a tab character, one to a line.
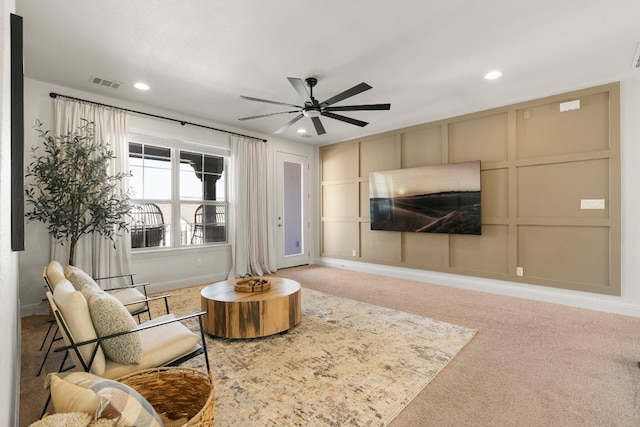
232	314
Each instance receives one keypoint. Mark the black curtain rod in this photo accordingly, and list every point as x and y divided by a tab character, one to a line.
182	122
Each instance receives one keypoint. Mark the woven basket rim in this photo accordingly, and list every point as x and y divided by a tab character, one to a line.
205	415
198	372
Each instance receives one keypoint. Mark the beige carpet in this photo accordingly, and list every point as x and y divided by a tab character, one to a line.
347	363
531	364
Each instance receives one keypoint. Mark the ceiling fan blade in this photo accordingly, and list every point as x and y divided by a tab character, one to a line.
318	124
289	123
346	94
371	107
345	119
269	102
266	115
298	85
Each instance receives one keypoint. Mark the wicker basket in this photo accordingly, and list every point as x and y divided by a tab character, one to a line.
177	392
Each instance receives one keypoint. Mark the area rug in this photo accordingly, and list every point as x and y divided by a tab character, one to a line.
346	363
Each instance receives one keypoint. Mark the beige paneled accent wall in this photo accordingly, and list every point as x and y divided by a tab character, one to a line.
544	172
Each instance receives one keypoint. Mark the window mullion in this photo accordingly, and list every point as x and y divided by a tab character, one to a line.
176	229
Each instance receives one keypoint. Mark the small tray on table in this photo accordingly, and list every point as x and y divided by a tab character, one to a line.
252	284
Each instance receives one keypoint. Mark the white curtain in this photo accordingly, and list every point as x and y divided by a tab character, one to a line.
251	228
94	253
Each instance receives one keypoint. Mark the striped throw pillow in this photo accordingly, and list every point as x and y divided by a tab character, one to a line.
101	398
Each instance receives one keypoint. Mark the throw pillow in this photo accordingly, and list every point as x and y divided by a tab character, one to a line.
78	277
101	398
76	419
109	317
89	291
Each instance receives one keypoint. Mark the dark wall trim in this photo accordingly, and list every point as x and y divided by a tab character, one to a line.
17	136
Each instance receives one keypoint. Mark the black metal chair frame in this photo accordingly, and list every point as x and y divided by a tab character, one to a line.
52	326
132	284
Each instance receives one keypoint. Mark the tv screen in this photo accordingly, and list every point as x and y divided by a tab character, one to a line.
429	199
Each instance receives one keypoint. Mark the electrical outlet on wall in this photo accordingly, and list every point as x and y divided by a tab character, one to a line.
519	271
353	252
198	262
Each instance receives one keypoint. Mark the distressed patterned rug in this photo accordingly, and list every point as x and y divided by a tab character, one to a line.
346	363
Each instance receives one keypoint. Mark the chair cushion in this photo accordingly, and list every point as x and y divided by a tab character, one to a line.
75	311
126	296
79	278
101	398
109	316
161	345
55	273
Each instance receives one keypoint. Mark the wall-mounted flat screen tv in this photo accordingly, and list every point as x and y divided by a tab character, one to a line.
429	199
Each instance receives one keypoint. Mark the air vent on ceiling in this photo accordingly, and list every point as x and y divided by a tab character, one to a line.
105	82
636	58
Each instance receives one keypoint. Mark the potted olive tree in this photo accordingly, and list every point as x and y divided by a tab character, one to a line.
70	189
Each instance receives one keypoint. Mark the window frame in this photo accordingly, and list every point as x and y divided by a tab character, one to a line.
175	145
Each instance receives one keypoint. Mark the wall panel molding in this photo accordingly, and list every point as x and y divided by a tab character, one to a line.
538	166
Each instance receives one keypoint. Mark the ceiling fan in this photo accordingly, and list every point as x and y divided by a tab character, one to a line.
314	109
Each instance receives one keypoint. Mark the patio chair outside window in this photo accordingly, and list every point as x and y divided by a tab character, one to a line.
147	228
209	224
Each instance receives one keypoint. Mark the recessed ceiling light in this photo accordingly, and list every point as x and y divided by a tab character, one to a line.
492	75
141	86
302	131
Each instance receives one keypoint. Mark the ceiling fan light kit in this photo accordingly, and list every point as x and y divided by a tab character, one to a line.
314	109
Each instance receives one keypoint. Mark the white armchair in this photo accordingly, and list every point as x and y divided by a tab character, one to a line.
102	337
132	296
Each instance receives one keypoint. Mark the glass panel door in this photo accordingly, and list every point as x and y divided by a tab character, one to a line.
292	173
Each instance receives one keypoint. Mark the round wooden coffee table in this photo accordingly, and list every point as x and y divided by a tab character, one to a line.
232	314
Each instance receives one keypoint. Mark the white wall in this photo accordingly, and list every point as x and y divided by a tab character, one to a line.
164	269
629	302
630	191
9	319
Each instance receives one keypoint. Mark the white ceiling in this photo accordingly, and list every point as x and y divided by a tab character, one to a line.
427	58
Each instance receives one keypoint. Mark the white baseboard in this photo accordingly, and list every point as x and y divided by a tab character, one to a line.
592	301
42	308
185	283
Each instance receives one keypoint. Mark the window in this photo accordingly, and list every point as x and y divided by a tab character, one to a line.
202	197
179	196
